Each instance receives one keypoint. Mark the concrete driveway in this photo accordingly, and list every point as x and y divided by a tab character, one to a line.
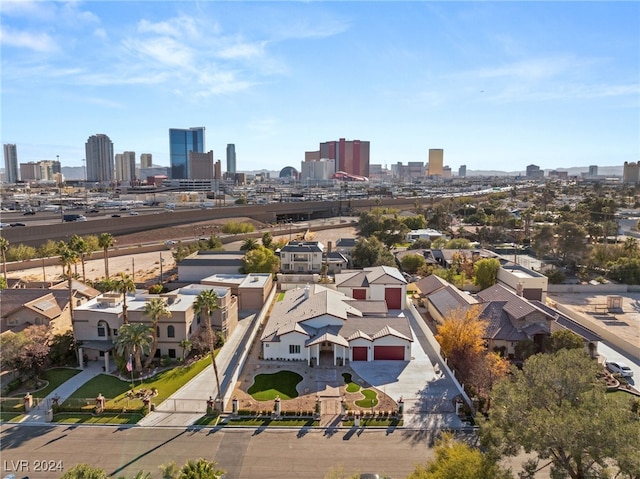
428	393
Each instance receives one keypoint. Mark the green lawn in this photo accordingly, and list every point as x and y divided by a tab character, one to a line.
167	382
55	377
10	416
258	422
370	399
280	296
352	387
106	418
267	386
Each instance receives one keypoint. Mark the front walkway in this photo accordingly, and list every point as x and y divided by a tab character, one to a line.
66	389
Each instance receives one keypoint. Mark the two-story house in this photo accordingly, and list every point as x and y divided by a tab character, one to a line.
302	257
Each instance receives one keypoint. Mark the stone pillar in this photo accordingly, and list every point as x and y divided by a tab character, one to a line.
210	405
356	419
276	406
400	406
81	357
100	403
106	361
234	405
28	402
318	406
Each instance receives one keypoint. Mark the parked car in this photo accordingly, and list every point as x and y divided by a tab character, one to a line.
18	224
115	216
28	212
4	225
133	213
619	368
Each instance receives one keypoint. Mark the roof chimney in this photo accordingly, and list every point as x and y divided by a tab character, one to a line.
329	246
520	289
306	291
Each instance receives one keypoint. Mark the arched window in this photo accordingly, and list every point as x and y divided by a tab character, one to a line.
103	329
171	332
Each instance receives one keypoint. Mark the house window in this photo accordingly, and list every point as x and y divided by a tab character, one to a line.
172	353
158	331
171	332
101	353
102	332
12	321
294	349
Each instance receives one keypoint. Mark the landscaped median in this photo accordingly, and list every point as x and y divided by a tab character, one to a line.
123	404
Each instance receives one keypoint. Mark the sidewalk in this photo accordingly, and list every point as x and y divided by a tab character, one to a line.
66	389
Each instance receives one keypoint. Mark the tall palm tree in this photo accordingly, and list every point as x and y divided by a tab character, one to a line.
134	339
249	244
4	246
207	302
106	241
124	284
201	469
186	346
81	247
155	309
68	257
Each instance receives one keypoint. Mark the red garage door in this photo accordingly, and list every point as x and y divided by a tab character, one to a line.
359	294
359	353
393	297
389	352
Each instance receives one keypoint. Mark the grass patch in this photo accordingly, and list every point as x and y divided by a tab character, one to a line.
55	377
10	416
107	418
352	387
115	390
280	296
257	422
375	422
267	386
370	399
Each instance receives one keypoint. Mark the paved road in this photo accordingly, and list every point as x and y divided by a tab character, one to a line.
242	453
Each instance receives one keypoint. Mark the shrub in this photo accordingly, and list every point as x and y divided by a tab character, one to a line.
236	227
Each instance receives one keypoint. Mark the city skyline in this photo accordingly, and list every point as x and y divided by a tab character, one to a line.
481	80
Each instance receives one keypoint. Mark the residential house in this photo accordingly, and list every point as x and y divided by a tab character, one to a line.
24	307
323	326
302	257
252	290
376	282
203	264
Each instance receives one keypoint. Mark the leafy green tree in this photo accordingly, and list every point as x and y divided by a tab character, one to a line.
392	232
249	244
85	471
106	241
371	252
186	346
267	239
48	249
3	283
260	260
155	309
134	339
62	349
485	272
457	460
458	243
570	240
555	275
206	302
543	241
412	263
420	243
4	246
124	284
555	407
21	252
416	222
214	243
564	339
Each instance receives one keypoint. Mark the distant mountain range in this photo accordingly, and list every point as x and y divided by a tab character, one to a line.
77	172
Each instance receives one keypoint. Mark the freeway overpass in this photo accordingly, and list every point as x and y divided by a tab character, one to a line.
270	213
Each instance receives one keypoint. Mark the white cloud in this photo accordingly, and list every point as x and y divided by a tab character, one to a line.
162	51
40	42
242	50
534	69
100	33
176	27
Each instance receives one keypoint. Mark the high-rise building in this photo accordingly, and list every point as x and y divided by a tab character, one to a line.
201	166
45	170
29	171
181	142
231	158
146	160
126	166
352	157
10	163
631	172
534	171
436	161
462	171
99	155
593	170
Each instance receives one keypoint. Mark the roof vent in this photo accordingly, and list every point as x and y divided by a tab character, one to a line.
306	291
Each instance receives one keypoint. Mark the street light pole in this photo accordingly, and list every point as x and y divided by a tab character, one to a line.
161	260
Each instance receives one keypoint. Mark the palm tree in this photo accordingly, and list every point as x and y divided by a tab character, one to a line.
155	309
249	244
207	302
106	241
201	469
68	257
4	246
134	339
124	284
81	247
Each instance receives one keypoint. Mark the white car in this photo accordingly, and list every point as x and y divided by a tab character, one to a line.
619	368
133	213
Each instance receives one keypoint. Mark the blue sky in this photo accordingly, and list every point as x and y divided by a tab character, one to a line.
497	85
